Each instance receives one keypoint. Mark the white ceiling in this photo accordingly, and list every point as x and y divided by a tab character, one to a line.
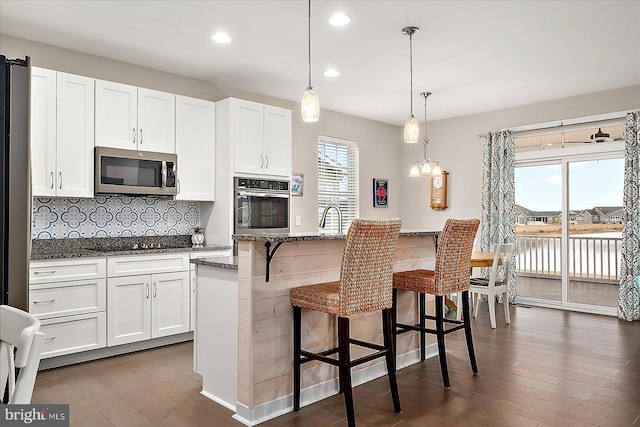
473	55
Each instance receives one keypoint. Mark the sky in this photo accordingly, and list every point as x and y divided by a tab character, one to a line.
591	183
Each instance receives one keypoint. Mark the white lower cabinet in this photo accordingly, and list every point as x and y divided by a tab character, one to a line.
69	298
145	306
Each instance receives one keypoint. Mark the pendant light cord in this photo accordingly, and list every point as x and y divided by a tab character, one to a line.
410	70
309	27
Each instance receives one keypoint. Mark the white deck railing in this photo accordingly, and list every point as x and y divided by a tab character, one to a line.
589	257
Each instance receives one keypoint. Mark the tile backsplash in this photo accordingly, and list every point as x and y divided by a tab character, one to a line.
112	216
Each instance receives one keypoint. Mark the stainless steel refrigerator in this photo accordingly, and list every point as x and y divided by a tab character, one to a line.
15	182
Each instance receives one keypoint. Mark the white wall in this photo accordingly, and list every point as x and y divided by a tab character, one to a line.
455	143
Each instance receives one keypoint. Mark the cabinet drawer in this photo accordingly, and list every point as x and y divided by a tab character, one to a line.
65	270
72	334
147	264
67	298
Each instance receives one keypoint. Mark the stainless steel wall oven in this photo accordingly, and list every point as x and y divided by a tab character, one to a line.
261	206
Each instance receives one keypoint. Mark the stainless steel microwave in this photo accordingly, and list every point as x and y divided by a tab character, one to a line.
120	171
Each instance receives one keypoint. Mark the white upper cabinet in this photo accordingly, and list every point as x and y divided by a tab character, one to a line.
277	141
134	118
261	138
62	134
195	147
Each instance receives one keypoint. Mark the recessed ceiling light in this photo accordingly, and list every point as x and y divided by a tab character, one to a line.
339	19
221	37
331	72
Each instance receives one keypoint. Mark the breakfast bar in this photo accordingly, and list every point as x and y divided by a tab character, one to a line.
263	354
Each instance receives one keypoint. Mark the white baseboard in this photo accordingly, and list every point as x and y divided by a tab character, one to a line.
282	405
218	400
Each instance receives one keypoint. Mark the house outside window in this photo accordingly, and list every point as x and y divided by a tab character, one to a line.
337	181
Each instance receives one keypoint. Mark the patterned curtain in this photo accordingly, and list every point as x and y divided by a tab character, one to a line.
498	196
628	305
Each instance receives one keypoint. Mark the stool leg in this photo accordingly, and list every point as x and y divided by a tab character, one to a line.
423	334
467	331
442	352
345	368
297	337
387	324
394	319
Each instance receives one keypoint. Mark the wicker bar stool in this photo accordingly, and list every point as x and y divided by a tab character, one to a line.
451	275
365	285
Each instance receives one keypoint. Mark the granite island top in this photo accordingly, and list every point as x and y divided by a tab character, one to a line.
230	262
45	249
299	237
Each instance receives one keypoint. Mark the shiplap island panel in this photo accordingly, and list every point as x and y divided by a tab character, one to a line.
265	345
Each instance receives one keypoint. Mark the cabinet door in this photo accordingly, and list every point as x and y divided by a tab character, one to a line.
195	147
192	300
277	141
170	303
128	309
116	115
75	136
247	136
156	121
43	132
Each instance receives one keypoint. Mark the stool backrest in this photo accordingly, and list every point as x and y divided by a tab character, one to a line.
453	256
20	347
366	275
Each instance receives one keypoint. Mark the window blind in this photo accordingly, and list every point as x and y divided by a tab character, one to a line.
337	181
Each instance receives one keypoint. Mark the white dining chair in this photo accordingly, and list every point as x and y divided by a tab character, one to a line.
495	284
20	348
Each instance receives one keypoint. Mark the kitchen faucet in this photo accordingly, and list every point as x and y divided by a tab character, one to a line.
324	217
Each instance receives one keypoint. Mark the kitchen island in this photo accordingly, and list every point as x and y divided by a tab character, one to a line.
263	354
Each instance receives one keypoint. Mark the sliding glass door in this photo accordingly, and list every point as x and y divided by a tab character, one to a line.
568	227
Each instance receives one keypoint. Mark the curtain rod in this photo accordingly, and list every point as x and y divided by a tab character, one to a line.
602	120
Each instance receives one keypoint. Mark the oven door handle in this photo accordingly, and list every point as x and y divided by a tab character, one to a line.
259	194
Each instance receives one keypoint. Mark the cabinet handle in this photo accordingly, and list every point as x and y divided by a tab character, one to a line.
147	290
155	289
133	135
267	165
52	180
194	285
178	190
261	161
49	339
45	302
60	175
44	272
141	136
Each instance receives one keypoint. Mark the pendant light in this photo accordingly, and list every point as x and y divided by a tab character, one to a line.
425	166
310	105
411	128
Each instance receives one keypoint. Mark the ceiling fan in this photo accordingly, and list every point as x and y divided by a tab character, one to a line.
596	138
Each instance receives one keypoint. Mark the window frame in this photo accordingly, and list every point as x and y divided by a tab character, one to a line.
350	208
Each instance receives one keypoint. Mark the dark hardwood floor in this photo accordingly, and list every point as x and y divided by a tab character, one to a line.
548	368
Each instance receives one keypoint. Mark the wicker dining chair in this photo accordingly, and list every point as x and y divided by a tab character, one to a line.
365	285
451	275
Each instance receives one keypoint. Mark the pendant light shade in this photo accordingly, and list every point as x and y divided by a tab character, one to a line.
310	105
415	170
411	129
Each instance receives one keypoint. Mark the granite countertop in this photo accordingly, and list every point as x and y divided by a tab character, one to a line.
44	249
230	262
297	237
